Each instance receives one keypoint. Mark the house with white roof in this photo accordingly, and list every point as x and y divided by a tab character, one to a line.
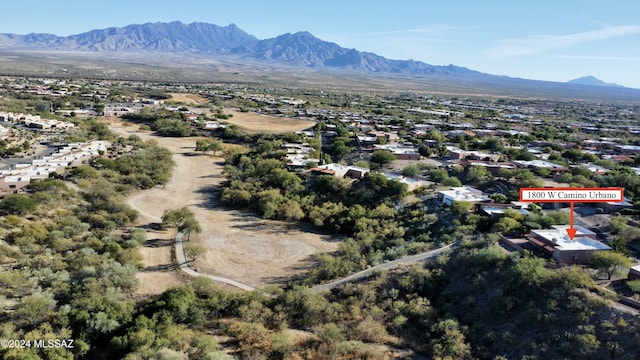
72	155
556	242
13	183
596	169
539	164
464	193
456	153
627	149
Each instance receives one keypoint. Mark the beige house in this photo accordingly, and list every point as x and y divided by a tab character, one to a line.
556	242
13	183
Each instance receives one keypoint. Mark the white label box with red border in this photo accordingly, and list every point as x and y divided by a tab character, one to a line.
572	194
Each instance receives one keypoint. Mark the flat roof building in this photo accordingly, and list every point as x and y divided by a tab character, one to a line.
556	242
464	193
341	171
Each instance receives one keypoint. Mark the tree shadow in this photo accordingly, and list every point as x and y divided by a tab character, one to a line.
157	243
300	270
151	227
160	268
211	198
212	176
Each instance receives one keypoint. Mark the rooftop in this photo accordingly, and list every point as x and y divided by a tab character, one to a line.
538	164
465	193
493	210
558	235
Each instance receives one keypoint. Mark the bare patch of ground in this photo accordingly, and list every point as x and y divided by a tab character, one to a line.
240	246
253	123
189	99
258	252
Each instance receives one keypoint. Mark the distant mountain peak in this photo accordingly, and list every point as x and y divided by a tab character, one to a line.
592	80
300	49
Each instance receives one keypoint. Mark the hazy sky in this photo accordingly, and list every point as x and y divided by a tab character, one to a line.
555	40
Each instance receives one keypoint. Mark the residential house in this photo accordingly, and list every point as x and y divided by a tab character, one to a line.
459	154
634	273
556	242
493	167
464	193
539	164
595	169
340	171
401	152
614	207
13	183
72	155
627	149
497	210
412	184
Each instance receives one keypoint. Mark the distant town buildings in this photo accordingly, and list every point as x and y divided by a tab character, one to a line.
71	155
35	121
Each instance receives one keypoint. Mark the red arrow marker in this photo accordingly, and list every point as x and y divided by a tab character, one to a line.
572	195
571	230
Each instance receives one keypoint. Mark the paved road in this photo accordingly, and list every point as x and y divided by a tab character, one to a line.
184	266
390	265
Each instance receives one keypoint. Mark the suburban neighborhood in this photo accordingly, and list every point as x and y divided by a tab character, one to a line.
405	178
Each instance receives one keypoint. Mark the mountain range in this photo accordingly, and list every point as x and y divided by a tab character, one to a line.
301	50
298	49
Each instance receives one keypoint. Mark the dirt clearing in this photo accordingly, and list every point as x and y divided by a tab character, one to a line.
240	246
253	123
189	99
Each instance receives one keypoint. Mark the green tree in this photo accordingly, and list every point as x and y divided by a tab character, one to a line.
17	204
215	146
382	157
477	174
172	127
499	198
634	285
438	175
449	341
618	224
506	224
190	225
609	263
424	150
626	235
411	171
205	145
193	251
451	181
181	219
202	145
461	207
35	308
493	144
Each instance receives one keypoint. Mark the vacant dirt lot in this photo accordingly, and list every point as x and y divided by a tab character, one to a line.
240	246
257	123
190	99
